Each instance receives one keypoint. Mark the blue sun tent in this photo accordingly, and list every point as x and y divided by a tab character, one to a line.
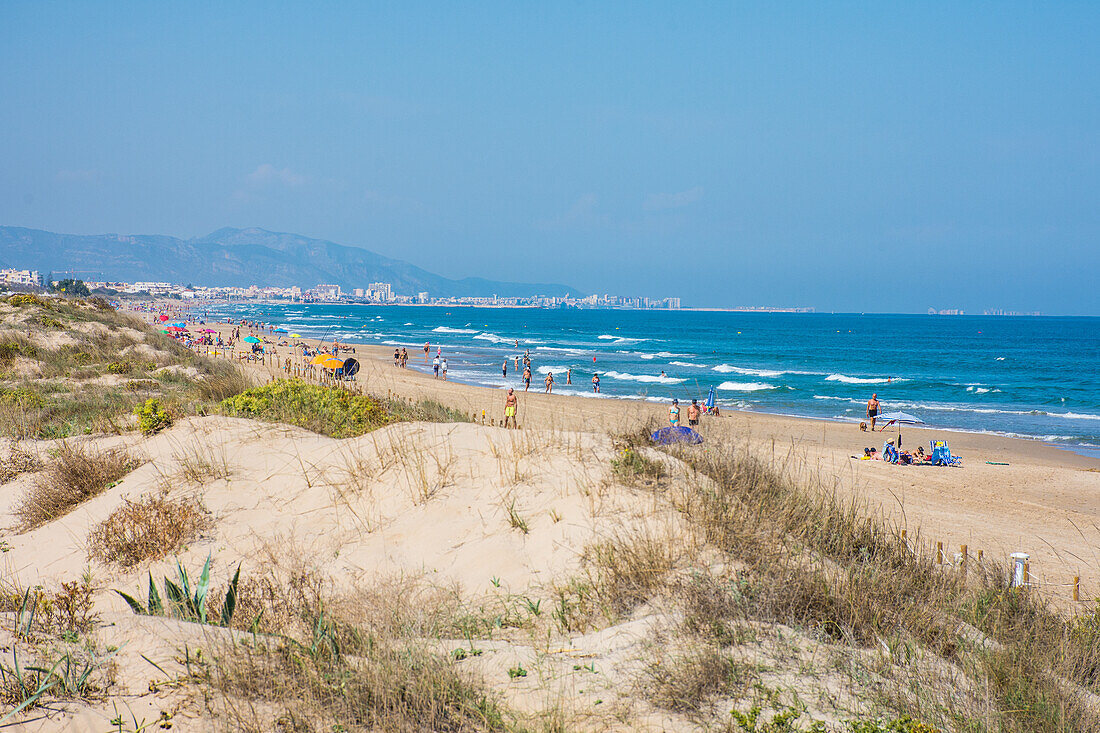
677	434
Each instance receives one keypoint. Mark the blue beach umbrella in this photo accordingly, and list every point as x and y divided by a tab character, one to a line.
250	340
709	404
281	330
676	434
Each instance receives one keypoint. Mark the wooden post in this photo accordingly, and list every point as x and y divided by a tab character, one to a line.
939	552
980	553
1027	573
963	550
1076	587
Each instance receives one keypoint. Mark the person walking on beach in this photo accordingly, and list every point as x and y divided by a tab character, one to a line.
674	414
549	382
511	404
427	348
397	357
435	366
596	383
404	357
443	364
504	369
693	413
526	379
872	410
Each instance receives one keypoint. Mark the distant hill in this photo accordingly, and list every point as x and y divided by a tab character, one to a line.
238	257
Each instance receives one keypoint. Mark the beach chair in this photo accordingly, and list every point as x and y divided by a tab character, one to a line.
940	454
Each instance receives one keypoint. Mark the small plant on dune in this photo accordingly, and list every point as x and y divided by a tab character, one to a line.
184	602
148	529
225	382
327	410
152	417
18	462
27	299
515	521
631	466
119	367
75	475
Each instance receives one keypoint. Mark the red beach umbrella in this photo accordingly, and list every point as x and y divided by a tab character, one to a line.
163	318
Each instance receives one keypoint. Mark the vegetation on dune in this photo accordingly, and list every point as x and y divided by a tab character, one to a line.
75	366
153	527
334	412
74	475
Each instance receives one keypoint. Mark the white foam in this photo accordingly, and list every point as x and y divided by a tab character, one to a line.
555	369
730	369
620	339
445	329
745	386
688	364
863	380
492	337
648	379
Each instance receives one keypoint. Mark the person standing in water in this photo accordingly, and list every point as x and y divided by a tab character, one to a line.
596	383
549	382
872	410
435	366
504	369
427	350
569	376
526	379
511	404
443	364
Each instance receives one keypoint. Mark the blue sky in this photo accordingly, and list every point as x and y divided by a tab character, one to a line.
850	156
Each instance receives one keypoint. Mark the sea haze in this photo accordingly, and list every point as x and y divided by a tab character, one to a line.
1031	377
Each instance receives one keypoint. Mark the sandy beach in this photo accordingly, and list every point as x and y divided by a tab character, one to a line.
1044	502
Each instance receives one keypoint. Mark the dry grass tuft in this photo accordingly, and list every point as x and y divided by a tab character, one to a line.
18	462
690	680
630	568
224	381
148	529
74	475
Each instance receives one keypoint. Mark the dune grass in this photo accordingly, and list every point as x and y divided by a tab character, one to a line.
74	475
150	528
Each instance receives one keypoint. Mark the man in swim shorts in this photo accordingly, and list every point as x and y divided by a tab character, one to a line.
872	410
693	413
674	414
526	379
511	404
504	369
435	366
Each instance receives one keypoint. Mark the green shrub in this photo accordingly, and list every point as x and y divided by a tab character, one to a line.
327	410
119	367
26	299
22	397
152	417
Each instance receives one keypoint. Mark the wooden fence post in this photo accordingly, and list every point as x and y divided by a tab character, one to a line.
1076	587
963	550
939	552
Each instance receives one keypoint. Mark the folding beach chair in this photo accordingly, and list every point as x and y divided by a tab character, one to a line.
940	454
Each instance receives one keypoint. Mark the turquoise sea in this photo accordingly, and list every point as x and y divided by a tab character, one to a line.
1035	377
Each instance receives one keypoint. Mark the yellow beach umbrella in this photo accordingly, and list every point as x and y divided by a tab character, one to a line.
296	335
320	359
332	363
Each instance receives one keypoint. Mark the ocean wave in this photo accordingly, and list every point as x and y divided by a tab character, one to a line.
560	349
646	378
445	329
688	364
660	355
620	339
844	378
745	386
555	369
730	369
493	338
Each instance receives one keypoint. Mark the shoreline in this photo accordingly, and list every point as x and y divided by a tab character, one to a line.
382	354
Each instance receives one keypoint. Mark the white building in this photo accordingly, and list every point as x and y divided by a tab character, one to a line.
21	277
380	291
327	292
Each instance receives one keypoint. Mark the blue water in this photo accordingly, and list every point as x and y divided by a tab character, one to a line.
1032	377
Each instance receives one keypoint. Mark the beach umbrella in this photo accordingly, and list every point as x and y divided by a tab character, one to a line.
164	330
320	359
296	335
209	330
175	328
901	418
332	363
280	330
709	404
676	434
163	318
251	340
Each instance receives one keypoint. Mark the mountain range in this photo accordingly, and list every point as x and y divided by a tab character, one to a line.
237	257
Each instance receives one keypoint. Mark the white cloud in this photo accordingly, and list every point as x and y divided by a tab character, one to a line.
661	201
267	174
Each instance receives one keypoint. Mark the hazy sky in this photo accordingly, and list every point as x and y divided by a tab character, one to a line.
868	156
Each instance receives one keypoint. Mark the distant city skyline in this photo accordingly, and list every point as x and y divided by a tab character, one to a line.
855	158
